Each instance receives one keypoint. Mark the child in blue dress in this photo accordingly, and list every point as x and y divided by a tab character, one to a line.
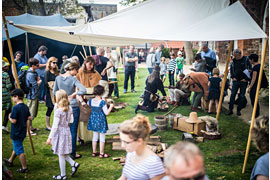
214	85
97	121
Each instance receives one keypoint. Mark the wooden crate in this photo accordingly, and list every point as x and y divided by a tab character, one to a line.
194	128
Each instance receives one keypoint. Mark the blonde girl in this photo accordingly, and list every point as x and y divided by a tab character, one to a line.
141	162
60	136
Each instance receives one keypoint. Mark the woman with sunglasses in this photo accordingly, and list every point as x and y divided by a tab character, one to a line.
141	163
51	72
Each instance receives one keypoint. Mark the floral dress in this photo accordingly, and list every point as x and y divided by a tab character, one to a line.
60	133
97	121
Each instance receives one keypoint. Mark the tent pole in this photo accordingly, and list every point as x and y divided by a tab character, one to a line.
224	79
15	75
14	71
27	47
90	50
255	106
73	51
84	51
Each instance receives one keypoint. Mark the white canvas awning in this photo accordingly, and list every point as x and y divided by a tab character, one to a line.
159	20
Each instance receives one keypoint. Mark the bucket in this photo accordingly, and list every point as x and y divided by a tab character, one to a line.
161	122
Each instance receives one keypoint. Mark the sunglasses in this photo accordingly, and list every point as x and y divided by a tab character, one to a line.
54	62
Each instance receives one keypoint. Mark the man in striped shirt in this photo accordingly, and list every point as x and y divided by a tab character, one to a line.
171	69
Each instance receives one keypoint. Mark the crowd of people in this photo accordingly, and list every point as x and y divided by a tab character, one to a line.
76	114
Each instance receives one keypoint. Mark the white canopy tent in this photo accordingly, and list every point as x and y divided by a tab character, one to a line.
152	22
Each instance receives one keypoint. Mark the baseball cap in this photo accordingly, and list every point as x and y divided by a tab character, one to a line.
17	92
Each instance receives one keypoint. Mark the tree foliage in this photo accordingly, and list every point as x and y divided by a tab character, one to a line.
131	2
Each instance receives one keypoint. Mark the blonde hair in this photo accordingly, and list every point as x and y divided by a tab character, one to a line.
49	67
138	127
215	71
62	100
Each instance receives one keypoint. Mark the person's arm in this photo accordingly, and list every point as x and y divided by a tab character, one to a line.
55	87
56	121
46	77
13	121
109	65
253	79
261	177
158	177
161	87
41	66
106	110
232	72
122	177
82	89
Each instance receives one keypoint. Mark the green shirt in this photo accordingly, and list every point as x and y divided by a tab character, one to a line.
180	62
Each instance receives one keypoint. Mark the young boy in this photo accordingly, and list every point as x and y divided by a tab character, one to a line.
180	63
18	117
171	69
33	82
163	69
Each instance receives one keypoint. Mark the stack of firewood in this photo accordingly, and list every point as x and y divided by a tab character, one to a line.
153	143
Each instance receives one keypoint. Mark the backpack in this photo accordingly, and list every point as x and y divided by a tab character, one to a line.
22	81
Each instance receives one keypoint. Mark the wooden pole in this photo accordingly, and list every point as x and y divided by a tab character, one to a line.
14	71
255	106
90	50
224	79
84	51
118	50
27	47
82	55
30	137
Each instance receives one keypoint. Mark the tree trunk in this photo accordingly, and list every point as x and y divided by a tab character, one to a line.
42	8
189	52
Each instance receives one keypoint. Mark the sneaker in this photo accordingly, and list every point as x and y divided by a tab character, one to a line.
230	112
5	129
125	91
21	170
238	113
133	91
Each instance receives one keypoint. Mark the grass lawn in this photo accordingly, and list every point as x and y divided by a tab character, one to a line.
223	158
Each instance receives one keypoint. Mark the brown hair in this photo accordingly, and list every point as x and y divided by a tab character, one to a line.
260	133
33	62
89	59
62	100
138	127
72	66
215	71
49	67
99	90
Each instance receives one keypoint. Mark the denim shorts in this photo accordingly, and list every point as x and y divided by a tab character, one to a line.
18	146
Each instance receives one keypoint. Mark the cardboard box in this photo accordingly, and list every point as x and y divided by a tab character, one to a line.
182	125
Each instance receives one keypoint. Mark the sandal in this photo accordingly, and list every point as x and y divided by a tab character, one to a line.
104	155
9	164
59	177
95	154
21	170
75	168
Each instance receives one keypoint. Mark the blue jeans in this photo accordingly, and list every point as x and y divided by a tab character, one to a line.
74	128
113	88
150	70
179	71
41	90
129	71
235	86
171	78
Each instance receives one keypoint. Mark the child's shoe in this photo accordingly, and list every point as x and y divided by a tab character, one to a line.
59	177
21	170
74	168
7	163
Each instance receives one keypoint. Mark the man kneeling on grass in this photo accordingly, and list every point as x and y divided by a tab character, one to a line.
18	118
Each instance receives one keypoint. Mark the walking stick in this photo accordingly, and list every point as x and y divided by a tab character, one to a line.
14	71
30	137
255	106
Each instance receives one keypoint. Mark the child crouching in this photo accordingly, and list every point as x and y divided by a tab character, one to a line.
60	135
18	118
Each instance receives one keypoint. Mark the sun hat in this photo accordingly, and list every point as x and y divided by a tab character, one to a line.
193	118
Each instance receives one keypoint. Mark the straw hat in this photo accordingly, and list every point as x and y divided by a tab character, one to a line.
193	118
